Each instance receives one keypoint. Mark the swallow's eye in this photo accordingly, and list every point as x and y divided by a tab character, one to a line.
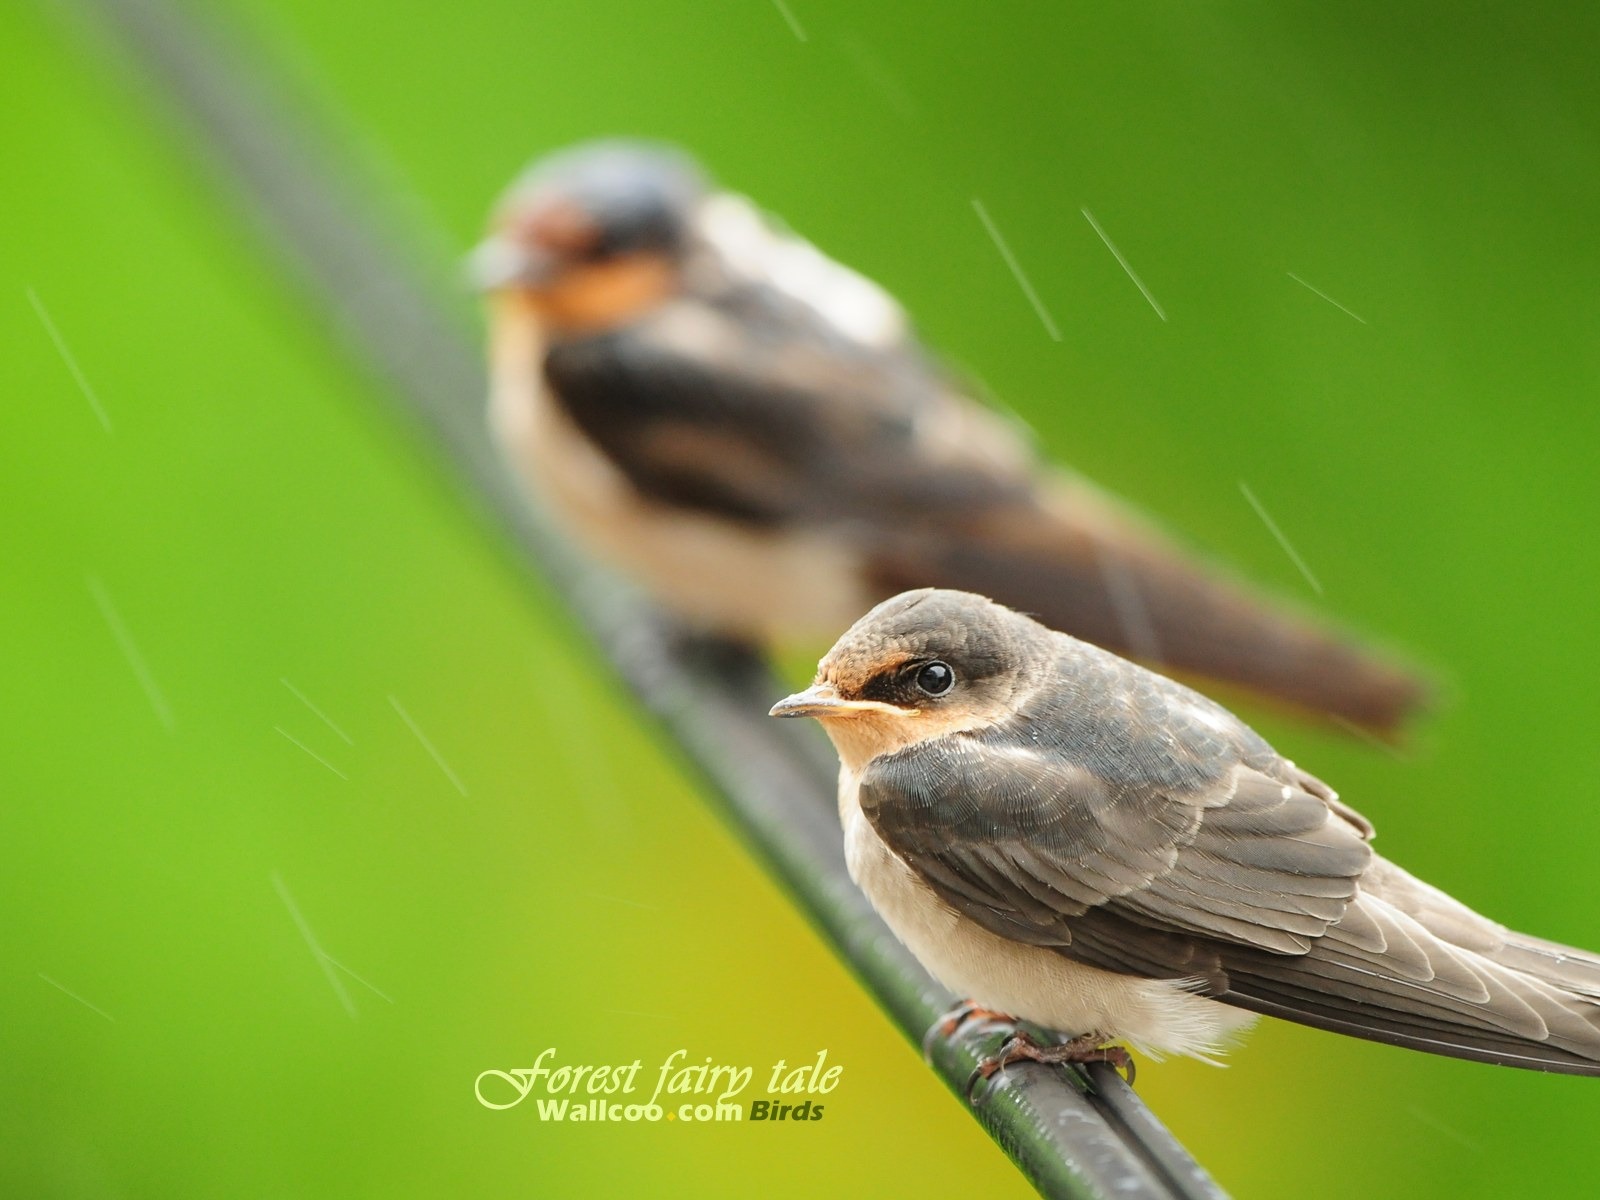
936	678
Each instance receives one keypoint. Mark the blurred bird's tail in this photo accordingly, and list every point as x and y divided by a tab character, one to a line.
1087	567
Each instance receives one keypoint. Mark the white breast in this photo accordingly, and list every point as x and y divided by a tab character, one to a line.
1036	984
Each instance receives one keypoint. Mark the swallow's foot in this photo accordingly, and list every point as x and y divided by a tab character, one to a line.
946	1025
1020	1047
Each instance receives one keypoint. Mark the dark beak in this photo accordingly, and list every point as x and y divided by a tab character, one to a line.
499	262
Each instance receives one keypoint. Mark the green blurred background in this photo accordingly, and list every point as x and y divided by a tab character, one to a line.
253	516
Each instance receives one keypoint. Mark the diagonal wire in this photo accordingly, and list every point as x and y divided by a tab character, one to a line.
775	782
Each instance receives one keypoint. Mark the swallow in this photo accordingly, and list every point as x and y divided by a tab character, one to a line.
1077	842
752	431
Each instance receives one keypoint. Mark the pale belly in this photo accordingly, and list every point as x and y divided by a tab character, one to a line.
713	573
1030	982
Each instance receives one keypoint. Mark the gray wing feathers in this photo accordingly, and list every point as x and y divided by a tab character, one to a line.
1406	952
1251	878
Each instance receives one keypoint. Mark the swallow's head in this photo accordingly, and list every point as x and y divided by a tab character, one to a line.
920	665
593	235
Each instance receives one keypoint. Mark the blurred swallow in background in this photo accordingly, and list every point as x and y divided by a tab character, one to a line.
751	431
1075	841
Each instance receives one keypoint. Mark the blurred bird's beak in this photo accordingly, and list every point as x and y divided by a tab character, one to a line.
498	262
822	700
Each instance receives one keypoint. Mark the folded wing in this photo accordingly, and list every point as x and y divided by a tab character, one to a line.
1243	880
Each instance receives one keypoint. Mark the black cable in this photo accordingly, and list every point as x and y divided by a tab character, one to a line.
394	316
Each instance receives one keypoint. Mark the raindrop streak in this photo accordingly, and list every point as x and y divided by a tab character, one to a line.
428	746
66	357
1455	1135
379	994
1372	739
63	988
1137	282
1016	270
1316	291
312	752
326	720
794	25
1272	527
877	76
323	960
1131	612
131	652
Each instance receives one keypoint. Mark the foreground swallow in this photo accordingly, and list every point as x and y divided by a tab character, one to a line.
1075	841
752	431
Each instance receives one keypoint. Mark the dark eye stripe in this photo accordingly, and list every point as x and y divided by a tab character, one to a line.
911	683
